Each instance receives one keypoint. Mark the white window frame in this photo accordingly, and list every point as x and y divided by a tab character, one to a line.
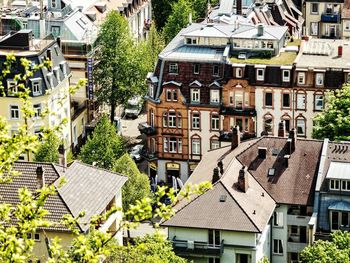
260	74
335	182
165	144
301	101
196	69
50	79
173	68
36	86
14	110
196	120
278	219
347	185
279	249
301	78
75	135
214	144
195	95
37	110
215	122
318	99
298	122
12	87
319	79
215	96
36	237
151	91
172	119
216	70
314	28
311	9
196	146
168	95
239	73
284	78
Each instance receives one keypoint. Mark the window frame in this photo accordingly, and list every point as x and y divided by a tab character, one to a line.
37	110
216	71
335	181
265	99
195	115
216	140
317	99
196	140
173	68
278	219
12	87
214	119
317	75
312	12
289	100
278	250
300	118
214	94
284	78
347	183
17	110
196	69
300	93
195	92
260	77
303	75
239	73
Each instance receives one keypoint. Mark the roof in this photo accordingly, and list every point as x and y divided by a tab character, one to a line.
269	33
345	12
248	212
293	185
226	7
89	189
340	206
323	53
338	170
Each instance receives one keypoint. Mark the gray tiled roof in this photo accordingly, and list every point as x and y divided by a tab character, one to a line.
89	189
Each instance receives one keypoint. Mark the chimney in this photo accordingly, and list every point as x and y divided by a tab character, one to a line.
42	26
221	167
281	129
243	180
190	18
286	160
236	138
262	152
40	179
260	29
62	158
238	7
340	51
292	136
216	176
58	40
289	146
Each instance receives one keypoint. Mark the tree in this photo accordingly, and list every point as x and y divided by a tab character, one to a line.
119	71
48	149
321	251
178	19
104	147
161	12
149	249
137	186
334	121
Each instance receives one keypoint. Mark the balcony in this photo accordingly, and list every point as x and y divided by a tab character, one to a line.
227	136
295	247
298	220
247	111
330	17
196	248
147	129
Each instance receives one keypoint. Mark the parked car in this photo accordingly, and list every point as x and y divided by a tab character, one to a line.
135	152
133	107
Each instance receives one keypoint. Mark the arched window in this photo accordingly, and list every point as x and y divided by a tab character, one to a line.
268	123
165	119
300	123
319	101
196	145
214	143
301	100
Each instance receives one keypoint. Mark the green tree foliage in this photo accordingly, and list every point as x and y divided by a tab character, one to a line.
48	149
149	249
137	186
178	19
119	72
104	147
334	121
161	12
337	251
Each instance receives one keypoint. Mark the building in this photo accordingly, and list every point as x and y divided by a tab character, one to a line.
104	191
49	87
332	202
270	181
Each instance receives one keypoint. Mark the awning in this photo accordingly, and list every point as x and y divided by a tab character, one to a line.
340	206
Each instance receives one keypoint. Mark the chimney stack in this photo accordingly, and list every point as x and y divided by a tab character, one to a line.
281	129
293	138
40	179
236	138
216	176
243	180
260	29
62	158
286	160
238	7
190	18
262	152
221	167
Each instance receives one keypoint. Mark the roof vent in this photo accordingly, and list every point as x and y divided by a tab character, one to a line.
223	198
271	172
275	151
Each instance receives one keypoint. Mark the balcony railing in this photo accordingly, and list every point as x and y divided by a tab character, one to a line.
186	247
247	111
295	247
147	129
227	136
330	17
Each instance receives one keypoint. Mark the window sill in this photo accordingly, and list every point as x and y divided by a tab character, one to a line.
173	73
277	254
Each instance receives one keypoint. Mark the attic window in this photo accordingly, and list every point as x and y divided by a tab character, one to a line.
271	172
191	41
223	198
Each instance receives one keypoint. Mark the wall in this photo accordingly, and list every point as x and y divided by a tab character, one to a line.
280	233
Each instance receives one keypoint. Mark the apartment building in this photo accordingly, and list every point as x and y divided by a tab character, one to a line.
49	88
265	181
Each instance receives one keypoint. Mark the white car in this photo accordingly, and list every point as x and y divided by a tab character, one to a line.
135	152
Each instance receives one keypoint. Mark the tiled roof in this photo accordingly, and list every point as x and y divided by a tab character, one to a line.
89	189
292	185
345	13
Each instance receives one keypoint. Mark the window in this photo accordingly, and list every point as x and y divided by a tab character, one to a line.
172	119
339	219
347	26
56	31
152	118
301	78
214	260
191	41
165	119
345	185
165	145
268	99
196	146
286	75
173	68
195	95
37	110
301	103
175	145
260	74
319	79
75	136
268	124
12	87
168	94
286	120
151	91
215	96
53	4
239	99
319	102
278	219
230	98
334	184
196	68
334	220
215	122
195	120
285	100
50	80
214	238
14	112
57	74
215	70
314	28
294	230
277	247
63	66
36	87
171	94
214	143
314	8
301	126
239	73
37	237
83	127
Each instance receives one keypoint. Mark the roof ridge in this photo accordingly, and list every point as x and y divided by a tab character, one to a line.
95	167
240	206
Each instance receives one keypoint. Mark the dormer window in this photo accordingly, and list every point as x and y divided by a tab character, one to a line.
319	79
286	75
36	86
239	73
191	41
334	184
260	74
12	87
